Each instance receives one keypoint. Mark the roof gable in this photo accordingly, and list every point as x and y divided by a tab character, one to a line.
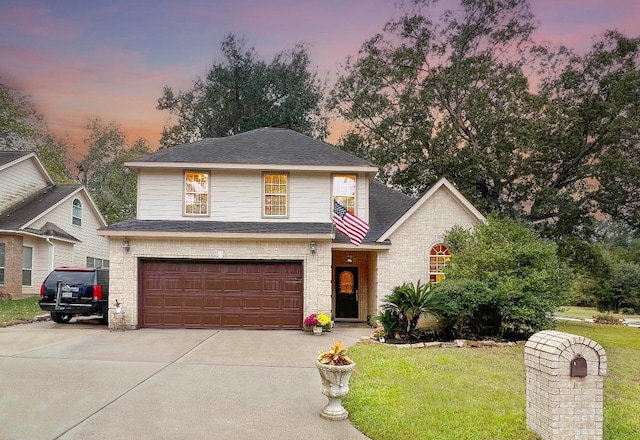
261	147
35	207
442	184
11	158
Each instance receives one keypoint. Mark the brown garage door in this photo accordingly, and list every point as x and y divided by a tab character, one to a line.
215	294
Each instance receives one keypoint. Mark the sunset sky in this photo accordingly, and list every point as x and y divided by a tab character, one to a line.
111	59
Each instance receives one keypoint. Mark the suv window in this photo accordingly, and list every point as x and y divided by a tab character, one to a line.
72	278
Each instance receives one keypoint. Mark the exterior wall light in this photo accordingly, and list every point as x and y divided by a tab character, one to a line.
125	244
312	247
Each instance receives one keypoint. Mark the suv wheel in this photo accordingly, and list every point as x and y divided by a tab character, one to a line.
61	318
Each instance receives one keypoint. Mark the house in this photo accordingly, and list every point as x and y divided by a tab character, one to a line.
237	232
43	225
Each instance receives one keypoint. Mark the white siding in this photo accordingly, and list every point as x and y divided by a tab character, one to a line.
91	244
19	182
237	196
407	259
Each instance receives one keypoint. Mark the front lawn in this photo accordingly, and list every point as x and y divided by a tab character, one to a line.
477	393
19	310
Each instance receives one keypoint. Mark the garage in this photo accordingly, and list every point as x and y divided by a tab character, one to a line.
220	294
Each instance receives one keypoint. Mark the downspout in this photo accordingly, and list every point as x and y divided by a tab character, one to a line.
52	254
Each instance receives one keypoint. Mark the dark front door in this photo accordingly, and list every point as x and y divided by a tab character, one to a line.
346	283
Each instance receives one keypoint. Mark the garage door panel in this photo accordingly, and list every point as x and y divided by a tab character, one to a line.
214	294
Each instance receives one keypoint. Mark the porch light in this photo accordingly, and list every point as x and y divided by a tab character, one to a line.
349	259
312	247
125	244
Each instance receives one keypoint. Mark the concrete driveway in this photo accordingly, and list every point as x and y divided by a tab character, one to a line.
82	381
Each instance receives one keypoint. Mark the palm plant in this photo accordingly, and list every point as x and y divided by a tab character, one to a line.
409	302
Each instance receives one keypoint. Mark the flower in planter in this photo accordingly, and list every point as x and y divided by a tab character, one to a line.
318	320
337	355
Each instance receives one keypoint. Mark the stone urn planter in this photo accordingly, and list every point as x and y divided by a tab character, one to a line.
335	370
335	385
317	330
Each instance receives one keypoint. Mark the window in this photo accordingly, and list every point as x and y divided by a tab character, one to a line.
76	212
275	195
438	259
196	193
27	265
344	191
1	263
97	263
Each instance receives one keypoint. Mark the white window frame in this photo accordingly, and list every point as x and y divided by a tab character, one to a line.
27	269
441	259
342	197
187	194
76	212
266	195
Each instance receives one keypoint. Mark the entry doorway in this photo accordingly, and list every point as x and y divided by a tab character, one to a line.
346	289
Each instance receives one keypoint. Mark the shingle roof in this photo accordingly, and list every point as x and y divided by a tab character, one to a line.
22	213
9	156
386	205
52	230
269	146
221	227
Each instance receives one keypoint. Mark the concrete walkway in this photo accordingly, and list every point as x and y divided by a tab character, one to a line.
82	381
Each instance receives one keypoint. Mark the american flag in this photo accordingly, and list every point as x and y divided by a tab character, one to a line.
349	224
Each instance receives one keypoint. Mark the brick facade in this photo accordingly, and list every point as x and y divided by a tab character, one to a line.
124	265
12	265
559	406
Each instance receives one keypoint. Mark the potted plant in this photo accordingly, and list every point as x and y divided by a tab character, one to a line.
318	322
335	370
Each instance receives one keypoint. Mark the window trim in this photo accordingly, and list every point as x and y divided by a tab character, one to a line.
264	194
355	193
440	254
184	194
30	269
76	209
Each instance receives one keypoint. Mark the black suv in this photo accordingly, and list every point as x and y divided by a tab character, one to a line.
70	291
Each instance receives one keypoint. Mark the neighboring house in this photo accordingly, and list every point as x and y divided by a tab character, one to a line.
43	225
237	232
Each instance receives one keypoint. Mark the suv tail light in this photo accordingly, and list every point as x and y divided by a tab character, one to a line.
42	290
97	292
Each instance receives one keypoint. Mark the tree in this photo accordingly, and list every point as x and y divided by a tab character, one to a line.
503	276
242	92
102	170
23	128
450	96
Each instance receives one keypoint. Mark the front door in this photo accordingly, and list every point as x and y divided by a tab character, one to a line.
346	283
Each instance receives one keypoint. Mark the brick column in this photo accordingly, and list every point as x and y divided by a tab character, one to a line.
564	403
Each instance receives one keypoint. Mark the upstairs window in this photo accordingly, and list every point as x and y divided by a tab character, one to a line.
76	212
439	257
344	191
275	195
196	193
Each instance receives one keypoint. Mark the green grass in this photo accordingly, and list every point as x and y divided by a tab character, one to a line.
587	313
19	310
448	393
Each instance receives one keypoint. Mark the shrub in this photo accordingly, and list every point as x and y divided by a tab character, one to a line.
507	281
606	318
404	306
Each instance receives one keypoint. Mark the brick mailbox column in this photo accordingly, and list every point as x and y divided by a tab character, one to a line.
564	375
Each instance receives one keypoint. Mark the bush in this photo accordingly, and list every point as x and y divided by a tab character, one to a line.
608	319
503	281
405	305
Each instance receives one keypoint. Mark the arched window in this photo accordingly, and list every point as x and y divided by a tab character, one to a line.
76	213
439	256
